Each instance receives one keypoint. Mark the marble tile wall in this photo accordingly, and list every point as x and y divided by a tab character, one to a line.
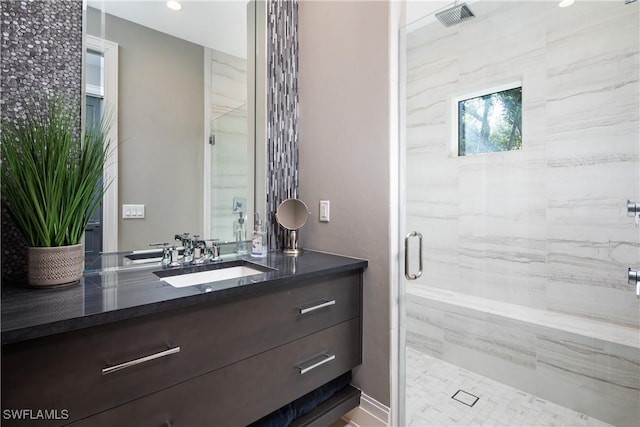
590	376
230	126
530	248
228	83
546	226
579	364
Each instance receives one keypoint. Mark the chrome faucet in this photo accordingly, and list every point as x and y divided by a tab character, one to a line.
174	257
212	250
205	250
166	252
198	250
187	243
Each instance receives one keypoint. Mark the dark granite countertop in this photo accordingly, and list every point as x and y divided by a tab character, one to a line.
107	294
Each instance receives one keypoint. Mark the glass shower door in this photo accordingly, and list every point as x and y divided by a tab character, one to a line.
520	149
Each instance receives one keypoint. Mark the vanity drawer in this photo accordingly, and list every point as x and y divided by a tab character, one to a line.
248	390
68	368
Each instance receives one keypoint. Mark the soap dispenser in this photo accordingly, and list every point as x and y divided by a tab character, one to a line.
258	245
240	231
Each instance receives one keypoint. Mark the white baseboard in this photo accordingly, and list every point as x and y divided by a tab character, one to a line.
370	413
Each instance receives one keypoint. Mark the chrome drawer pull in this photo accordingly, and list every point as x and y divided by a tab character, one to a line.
112	369
317	306
326	359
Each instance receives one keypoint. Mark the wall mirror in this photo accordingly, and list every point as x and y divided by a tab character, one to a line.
184	90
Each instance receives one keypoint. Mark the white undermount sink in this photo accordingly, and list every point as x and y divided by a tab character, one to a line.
191	279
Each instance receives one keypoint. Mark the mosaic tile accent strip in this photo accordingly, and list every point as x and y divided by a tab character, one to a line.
41	54
282	108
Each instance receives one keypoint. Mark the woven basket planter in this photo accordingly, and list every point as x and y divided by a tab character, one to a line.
55	266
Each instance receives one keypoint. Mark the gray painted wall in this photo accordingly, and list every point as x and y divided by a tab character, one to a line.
161	131
344	85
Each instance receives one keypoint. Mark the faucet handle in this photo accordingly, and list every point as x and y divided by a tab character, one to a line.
212	249
166	252
174	254
167	255
199	249
182	237
199	243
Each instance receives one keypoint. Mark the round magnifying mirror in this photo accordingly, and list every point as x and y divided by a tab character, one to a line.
292	214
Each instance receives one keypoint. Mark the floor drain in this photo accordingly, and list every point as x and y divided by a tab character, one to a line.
466	398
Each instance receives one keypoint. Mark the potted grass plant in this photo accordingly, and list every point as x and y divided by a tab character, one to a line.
52	184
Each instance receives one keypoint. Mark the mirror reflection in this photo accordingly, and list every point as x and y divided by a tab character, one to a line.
179	84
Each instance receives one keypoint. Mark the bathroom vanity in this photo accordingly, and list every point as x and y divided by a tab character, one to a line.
126	348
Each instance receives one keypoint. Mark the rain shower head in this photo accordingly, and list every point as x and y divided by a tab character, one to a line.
455	15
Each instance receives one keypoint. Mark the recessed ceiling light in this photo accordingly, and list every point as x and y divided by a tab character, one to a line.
566	3
174	5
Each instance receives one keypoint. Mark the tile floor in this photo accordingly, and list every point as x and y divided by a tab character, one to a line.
431	383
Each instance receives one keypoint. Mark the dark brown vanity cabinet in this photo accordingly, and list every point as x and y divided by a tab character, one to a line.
223	363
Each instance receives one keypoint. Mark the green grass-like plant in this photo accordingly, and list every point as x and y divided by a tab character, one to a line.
51	178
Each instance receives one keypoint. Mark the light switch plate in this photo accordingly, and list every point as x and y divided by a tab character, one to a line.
325	210
132	211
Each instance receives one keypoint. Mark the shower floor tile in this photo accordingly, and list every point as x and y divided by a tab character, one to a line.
431	383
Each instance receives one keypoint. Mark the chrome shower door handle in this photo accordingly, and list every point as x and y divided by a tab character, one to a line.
408	275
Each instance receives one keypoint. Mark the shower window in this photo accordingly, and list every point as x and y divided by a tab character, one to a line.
491	122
